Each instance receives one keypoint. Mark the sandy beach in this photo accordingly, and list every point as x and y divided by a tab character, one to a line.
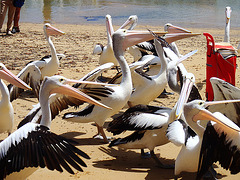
77	44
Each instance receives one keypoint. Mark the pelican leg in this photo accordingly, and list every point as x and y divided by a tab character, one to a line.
129	104
161	165
165	94
210	174
145	155
101	134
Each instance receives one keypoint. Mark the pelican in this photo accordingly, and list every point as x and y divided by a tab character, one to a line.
227	26
117	96
191	138
106	52
34	145
6	108
147	88
149	124
35	71
59	102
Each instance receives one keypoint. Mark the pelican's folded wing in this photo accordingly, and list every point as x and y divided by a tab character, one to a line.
140	117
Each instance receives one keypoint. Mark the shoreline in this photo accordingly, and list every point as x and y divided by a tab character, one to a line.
77	44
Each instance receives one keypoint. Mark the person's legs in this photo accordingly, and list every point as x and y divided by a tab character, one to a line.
11	12
16	20
3	11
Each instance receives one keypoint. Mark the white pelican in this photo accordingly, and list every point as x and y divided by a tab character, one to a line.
34	145
47	66
106	52
150	87
227	26
149	124
6	108
59	102
147	88
191	138
117	96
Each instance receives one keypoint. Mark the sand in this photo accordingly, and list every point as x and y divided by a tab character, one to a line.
105	163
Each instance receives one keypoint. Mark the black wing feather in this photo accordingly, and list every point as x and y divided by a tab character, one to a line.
42	148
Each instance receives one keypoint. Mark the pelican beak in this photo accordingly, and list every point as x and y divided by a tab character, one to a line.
89	82
127	22
183	97
54	31
14	80
134	37
207	115
186	56
73	92
109	24
209	103
177	36
176	29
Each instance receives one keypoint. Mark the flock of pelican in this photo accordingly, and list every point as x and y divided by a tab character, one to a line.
207	131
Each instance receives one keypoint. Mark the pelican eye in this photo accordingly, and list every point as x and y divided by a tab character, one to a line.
200	103
61	80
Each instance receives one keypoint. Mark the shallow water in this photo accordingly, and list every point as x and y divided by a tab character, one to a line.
187	13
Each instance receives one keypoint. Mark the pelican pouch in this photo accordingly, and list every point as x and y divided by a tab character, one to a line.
221	63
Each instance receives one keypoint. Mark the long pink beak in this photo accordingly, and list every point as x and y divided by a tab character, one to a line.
73	92
134	37
54	31
11	78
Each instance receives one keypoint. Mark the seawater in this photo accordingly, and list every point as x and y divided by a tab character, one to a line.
186	13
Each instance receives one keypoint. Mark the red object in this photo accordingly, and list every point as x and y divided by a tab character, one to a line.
217	65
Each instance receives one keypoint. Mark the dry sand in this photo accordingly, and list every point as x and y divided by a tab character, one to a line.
105	163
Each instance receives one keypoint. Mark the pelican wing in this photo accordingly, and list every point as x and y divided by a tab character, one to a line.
221	145
140	117
31	75
178	132
226	91
94	74
34	145
147	45
48	57
58	103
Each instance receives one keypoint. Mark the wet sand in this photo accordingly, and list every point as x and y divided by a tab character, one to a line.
105	163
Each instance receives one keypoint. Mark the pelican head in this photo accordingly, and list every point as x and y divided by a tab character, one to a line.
50	30
228	14
132	37
133	19
195	110
174	29
188	81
